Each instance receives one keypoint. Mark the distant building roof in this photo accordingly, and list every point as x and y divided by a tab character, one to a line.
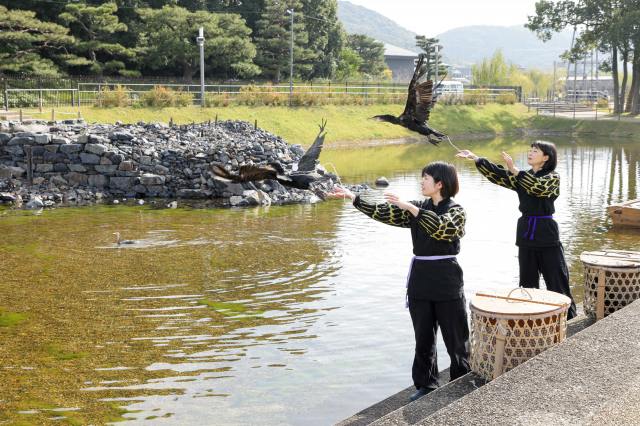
391	50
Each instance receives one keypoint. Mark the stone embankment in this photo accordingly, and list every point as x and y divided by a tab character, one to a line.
73	163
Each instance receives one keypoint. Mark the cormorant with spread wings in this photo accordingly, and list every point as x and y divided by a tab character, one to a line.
305	176
420	101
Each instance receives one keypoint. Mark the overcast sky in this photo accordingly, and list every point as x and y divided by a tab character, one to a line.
428	17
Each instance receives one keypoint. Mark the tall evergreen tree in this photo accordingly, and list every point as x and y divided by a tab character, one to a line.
23	41
169	43
371	52
273	38
434	59
326	35
94	27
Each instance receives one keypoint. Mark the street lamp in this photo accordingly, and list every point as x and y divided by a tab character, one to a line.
290	12
200	40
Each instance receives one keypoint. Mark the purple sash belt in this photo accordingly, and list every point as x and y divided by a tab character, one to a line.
532	224
413	259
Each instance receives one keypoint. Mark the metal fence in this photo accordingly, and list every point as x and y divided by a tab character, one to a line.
92	93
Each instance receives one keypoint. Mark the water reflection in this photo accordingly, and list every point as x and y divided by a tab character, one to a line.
279	314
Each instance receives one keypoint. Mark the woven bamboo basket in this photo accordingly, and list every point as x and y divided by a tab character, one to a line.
510	327
611	281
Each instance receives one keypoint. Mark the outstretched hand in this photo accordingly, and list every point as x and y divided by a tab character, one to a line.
340	192
404	205
508	161
465	153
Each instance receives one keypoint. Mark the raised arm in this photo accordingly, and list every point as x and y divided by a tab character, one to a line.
493	172
447	227
496	174
547	186
384	212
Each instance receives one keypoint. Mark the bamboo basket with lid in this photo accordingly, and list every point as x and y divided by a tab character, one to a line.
611	280
508	327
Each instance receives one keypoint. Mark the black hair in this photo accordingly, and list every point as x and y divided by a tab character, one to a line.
548	149
445	173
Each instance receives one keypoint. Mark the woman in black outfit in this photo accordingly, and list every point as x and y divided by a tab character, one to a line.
538	239
435	286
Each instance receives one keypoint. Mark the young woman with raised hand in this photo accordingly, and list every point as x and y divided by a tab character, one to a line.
435	293
537	235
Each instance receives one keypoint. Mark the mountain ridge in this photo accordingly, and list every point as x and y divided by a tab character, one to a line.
463	46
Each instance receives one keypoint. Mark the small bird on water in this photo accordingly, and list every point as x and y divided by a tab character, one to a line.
121	242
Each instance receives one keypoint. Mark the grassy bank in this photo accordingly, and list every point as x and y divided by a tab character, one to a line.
607	127
352	123
345	123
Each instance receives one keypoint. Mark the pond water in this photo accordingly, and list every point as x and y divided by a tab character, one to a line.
280	315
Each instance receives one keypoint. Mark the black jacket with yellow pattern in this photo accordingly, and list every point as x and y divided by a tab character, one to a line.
436	231
537	193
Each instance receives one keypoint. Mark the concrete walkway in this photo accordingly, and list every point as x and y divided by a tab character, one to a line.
592	378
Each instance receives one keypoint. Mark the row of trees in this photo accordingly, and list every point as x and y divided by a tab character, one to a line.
496	71
244	39
610	26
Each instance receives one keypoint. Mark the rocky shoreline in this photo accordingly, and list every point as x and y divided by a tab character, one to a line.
72	163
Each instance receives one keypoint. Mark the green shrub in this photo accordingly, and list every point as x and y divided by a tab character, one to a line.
183	99
217	100
477	97
506	98
451	99
162	97
116	97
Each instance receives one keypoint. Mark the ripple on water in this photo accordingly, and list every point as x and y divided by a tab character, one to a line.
229	311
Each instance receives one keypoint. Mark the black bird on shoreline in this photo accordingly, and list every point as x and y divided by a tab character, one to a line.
307	175
420	101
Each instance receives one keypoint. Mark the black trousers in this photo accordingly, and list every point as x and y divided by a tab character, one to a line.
550	262
451	316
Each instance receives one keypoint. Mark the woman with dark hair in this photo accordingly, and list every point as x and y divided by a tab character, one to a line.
538	238
435	293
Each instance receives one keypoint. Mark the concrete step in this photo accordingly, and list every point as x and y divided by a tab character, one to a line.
592	379
394	402
398	410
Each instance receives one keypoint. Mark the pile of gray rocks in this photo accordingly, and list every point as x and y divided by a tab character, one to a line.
70	163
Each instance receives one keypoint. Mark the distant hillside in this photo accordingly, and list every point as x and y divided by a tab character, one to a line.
469	45
360	20
464	45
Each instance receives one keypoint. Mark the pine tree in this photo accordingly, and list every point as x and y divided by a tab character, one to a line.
371	52
23	41
273	38
94	28
326	35
428	46
169	45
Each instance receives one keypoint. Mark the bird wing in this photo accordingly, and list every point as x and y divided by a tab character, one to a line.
411	92
254	173
309	160
426	100
223	173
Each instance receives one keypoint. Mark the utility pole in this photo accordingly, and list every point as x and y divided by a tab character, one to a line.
290	12
200	40
436	48
553	88
591	85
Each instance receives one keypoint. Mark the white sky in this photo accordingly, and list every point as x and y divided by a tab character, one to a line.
429	17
